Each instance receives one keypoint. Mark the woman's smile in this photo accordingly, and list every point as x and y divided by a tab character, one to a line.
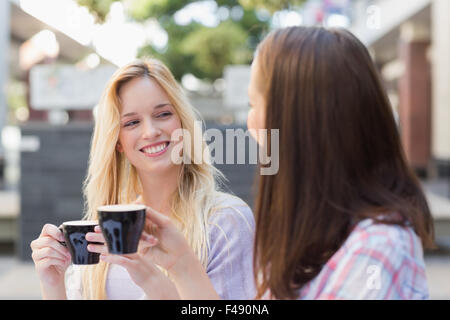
156	149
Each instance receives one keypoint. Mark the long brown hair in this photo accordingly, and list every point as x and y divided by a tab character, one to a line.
341	159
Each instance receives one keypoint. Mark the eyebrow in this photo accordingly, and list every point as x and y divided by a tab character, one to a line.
156	107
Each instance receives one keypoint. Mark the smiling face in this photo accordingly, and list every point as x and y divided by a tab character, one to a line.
147	120
256	114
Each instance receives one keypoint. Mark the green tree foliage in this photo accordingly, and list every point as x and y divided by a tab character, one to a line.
173	56
141	10
271	5
213	48
195	48
99	8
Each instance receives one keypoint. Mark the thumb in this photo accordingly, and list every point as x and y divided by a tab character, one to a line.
157	218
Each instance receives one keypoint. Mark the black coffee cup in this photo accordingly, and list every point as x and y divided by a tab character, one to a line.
122	226
75	235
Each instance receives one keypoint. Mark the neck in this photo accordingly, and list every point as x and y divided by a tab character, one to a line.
158	189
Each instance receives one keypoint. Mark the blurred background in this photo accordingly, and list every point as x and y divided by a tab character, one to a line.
56	56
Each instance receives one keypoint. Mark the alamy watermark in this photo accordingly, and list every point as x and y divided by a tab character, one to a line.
373	21
233	143
373	281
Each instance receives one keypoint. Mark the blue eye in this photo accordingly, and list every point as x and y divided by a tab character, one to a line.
131	123
164	114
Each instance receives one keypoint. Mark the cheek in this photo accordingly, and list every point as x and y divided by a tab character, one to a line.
173	125
251	119
252	124
260	119
255	119
126	140
256	123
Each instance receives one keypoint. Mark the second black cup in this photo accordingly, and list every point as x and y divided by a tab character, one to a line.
75	235
122	226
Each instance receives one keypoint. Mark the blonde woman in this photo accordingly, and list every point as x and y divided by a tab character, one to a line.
131	161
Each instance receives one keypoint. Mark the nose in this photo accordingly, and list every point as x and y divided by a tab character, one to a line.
150	130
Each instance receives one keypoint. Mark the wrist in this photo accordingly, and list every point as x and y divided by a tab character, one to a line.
184	265
191	280
160	287
53	292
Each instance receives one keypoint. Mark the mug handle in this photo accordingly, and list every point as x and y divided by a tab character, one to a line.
63	243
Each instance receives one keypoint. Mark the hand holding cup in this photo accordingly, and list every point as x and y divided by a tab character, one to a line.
167	248
51	259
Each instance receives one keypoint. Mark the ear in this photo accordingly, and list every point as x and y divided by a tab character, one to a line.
119	147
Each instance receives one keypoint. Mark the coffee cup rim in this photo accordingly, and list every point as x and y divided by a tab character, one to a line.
121	207
80	223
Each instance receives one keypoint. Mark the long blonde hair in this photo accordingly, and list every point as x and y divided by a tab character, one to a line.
112	179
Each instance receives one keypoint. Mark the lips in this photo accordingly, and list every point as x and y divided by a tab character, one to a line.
155	149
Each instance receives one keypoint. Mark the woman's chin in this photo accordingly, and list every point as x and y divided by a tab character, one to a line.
159	167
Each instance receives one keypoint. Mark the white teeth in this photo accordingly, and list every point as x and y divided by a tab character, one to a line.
156	149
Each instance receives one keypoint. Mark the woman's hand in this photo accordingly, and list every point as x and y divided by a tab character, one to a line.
51	260
142	271
163	242
172	246
167	248
146	275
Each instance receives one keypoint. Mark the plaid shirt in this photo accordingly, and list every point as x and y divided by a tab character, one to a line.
377	261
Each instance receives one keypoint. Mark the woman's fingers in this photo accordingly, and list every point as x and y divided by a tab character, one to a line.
150	227
159	219
147	242
149	239
95	237
97	248
45	263
120	260
48	241
98	237
52	231
49	252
